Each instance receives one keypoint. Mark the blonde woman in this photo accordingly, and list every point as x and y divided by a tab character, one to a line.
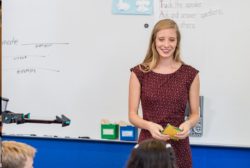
164	84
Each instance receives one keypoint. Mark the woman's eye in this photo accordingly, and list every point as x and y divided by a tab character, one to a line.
172	39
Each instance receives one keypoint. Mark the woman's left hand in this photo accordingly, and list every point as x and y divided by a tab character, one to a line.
185	127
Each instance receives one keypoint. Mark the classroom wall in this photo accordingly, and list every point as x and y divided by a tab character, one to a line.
74	59
77	153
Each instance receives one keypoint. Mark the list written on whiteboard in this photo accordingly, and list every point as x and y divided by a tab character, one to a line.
19	57
186	13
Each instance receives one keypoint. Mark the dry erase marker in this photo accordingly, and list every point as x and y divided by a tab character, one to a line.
84	137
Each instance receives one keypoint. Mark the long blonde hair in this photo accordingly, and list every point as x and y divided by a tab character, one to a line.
152	57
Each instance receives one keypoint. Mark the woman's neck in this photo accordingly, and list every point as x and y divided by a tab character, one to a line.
167	66
167	62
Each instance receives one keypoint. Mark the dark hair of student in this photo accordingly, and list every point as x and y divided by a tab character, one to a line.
152	153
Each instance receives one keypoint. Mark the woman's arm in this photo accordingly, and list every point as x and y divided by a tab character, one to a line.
194	103
134	101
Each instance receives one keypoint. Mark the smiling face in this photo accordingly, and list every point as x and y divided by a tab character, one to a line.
166	42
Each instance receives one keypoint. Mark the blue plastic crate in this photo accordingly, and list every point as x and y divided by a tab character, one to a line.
128	133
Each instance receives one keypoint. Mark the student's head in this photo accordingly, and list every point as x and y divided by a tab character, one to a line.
152	154
165	27
17	155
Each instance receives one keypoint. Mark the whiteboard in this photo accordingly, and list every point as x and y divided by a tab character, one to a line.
74	59
69	58
215	38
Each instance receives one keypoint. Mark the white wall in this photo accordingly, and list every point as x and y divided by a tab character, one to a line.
215	39
84	73
85	79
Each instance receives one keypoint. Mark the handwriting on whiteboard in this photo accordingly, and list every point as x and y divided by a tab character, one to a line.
26	59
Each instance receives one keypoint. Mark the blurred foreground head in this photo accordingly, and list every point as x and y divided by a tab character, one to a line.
17	155
152	154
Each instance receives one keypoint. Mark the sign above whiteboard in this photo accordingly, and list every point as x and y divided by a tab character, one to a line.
132	7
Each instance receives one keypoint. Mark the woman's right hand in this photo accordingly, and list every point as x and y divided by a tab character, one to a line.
155	130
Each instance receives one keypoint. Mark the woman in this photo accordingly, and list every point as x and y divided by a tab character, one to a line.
164	84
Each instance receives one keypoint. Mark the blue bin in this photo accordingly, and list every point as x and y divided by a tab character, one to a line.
128	133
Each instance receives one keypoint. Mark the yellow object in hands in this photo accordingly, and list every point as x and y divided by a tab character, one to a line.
171	131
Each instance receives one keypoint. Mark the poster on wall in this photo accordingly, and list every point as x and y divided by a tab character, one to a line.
132	7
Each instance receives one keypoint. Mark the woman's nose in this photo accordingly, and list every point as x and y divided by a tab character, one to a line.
166	43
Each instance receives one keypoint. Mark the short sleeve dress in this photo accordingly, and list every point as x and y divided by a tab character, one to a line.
163	100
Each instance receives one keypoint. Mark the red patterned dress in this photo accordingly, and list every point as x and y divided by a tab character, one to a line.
163	100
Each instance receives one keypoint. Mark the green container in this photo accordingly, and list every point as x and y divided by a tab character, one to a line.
109	131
